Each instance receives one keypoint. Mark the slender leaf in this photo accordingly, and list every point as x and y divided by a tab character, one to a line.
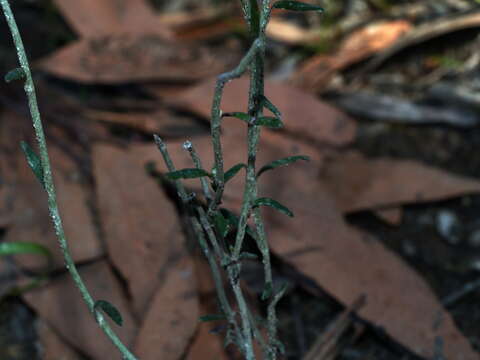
221	224
110	310
296	6
211	317
270	122
282	162
239	115
274	204
248	256
267	291
268	104
233	171
15	74
33	161
14	248
186	174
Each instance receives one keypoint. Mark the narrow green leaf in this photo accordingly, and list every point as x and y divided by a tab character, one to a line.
248	256
270	122
296	6
33	161
221	224
211	317
187	174
233	171
14	248
15	74
110	310
274	204
268	104
282	162
239	115
267	291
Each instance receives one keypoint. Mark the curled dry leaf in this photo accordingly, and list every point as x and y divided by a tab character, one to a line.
304	116
361	44
123	58
59	304
93	18
426	32
140	224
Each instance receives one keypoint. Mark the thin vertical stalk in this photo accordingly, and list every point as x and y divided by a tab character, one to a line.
29	88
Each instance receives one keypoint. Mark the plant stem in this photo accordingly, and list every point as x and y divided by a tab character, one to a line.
217	119
49	185
217	278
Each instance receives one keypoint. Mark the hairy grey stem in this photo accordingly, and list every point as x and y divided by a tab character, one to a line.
217	278
50	187
222	79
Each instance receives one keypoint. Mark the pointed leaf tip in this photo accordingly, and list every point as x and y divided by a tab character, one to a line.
296	6
110	310
274	204
282	162
233	171
187	174
211	317
33	161
15	74
270	122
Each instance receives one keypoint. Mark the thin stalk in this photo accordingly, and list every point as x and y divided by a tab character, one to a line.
217	119
217	278
29	88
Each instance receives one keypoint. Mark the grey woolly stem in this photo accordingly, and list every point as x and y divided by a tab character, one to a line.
233	276
198	164
217	278
50	187
217	119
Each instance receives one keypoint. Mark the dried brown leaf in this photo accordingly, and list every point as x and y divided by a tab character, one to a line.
384	182
358	46
304	115
30	219
172	317
61	306
93	18
121	58
140	224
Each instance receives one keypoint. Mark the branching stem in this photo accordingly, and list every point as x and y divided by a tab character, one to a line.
50	187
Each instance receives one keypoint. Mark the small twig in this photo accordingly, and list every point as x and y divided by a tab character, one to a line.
49	185
217	118
462	292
